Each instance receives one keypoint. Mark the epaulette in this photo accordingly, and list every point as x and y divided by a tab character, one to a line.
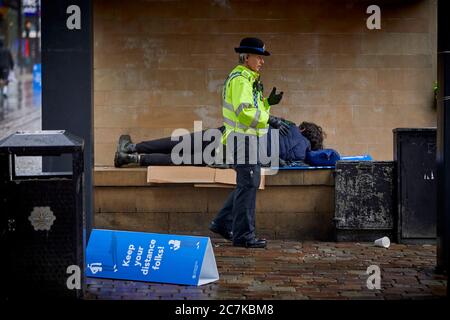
246	74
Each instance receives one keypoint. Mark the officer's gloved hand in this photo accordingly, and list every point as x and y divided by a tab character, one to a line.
278	123
274	98
282	163
288	122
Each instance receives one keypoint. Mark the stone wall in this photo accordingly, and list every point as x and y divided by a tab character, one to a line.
295	204
160	65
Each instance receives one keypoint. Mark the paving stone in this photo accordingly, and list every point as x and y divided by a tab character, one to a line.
275	274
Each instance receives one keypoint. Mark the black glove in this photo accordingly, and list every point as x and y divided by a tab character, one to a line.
282	163
289	123
278	123
274	98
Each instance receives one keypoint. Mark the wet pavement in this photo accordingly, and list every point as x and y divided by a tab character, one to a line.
21	111
296	270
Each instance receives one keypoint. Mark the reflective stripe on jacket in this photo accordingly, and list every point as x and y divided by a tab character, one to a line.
244	109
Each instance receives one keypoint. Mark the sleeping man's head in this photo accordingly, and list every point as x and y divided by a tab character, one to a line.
313	133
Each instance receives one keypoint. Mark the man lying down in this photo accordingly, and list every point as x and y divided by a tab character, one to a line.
293	144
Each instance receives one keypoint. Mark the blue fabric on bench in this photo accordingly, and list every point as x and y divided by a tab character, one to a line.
305	168
365	157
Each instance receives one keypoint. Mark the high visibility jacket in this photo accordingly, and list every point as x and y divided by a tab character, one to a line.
244	108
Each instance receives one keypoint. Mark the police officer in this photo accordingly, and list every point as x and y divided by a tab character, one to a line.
246	118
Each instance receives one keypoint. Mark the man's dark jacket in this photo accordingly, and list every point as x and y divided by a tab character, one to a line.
293	146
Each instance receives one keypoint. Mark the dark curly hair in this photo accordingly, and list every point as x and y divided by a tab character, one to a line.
313	133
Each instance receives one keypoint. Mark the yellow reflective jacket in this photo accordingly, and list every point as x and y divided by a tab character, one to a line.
244	108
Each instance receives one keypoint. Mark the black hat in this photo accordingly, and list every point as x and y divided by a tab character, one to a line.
252	45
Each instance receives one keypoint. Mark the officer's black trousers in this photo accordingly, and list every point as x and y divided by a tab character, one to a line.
238	212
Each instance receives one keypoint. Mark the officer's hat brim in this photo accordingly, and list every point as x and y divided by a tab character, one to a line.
251	50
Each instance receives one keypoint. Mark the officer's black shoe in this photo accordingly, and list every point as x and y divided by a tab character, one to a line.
214	227
121	159
254	243
125	144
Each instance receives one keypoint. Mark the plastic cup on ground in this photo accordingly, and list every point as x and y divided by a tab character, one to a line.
383	242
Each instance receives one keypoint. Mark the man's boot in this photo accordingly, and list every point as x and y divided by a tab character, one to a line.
121	159
125	144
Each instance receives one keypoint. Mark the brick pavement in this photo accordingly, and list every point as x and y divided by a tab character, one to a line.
299	270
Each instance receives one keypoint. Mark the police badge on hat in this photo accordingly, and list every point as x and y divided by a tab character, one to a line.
252	45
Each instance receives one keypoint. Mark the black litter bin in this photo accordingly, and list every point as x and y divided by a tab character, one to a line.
364	200
415	158
42	224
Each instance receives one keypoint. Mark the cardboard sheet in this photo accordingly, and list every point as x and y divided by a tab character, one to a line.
199	176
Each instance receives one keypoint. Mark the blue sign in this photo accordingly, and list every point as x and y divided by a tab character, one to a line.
30	7
150	257
37	77
37	85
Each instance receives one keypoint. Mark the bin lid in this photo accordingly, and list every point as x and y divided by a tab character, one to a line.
424	129
41	142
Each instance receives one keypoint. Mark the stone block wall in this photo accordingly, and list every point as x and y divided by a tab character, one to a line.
160	65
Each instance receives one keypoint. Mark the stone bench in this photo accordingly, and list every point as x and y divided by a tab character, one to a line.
295	204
